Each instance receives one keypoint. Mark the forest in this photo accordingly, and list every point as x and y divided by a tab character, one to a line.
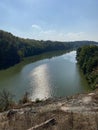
13	49
87	57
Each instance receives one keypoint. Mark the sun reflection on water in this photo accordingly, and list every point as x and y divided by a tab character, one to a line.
39	81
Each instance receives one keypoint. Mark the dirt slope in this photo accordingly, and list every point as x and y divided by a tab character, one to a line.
79	112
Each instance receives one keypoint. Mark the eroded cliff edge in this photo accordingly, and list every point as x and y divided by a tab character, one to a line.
79	112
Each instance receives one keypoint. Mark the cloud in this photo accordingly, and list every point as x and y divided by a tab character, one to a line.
61	36
75	35
55	35
37	27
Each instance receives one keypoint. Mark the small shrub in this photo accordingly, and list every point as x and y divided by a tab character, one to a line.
25	98
37	100
6	100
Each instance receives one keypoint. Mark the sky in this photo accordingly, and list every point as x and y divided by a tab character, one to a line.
57	20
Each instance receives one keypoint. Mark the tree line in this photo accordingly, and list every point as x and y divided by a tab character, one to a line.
13	49
87	57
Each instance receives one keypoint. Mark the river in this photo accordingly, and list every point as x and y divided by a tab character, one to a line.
44	76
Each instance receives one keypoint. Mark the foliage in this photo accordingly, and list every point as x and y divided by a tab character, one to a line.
13	49
25	98
6	100
38	100
87	57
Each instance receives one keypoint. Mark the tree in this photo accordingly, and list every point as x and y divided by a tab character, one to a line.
87	58
6	100
25	98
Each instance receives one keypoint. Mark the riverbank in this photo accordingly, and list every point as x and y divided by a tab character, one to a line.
89	64
46	76
13	54
79	112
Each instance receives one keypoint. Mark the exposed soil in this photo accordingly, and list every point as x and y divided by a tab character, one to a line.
79	112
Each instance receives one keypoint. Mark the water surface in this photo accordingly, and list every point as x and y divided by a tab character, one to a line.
55	76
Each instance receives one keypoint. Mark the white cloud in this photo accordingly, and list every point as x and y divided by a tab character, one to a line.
76	36
41	34
61	36
35	26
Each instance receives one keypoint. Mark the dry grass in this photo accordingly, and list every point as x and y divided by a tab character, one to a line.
30	115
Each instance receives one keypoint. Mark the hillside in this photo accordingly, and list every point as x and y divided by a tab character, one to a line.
13	49
79	112
87	58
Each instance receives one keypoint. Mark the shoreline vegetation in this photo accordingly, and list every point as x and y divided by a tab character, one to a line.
87	57
14	49
7	101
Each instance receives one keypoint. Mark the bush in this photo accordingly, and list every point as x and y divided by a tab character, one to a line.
38	100
6	100
25	98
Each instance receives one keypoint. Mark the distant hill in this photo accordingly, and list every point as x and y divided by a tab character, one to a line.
87	57
13	49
